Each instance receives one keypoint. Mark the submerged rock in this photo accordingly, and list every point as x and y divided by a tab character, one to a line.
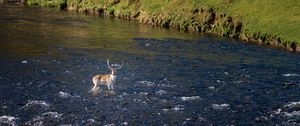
52	118
8	120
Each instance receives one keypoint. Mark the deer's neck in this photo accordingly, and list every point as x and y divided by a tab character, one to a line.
113	75
113	78
113	72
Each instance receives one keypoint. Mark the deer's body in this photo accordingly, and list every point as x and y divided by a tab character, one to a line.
106	79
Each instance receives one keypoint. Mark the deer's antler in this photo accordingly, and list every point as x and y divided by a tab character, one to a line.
108	64
120	66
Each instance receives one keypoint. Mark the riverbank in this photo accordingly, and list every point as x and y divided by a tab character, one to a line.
271	23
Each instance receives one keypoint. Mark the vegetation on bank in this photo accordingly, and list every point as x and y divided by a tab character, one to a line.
269	22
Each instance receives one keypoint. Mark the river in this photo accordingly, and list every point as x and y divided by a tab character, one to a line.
48	58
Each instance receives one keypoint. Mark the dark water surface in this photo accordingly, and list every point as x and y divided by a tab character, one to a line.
48	58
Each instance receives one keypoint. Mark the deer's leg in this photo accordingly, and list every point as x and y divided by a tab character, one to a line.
108	86
112	86
95	85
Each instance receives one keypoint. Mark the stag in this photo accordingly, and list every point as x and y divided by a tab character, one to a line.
106	79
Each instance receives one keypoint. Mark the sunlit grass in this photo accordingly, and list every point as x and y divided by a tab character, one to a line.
273	17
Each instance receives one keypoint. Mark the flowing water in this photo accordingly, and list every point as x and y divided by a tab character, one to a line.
48	58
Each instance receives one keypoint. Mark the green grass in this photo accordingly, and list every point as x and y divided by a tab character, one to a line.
48	3
274	17
259	18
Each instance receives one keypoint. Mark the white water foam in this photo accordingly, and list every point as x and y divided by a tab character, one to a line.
239	82
161	83
24	61
116	65
291	109
292	114
191	98
175	109
109	125
137	100
125	123
55	115
168	85
4	107
211	88
67	72
220	106
66	95
290	75
33	103
48	116
161	92
8	120
293	104
147	44
147	83
144	93
91	120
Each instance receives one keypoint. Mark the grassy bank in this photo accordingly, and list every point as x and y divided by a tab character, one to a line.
274	23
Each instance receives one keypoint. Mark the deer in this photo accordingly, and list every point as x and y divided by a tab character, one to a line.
106	79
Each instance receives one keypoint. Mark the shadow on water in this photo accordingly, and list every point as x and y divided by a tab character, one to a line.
48	59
